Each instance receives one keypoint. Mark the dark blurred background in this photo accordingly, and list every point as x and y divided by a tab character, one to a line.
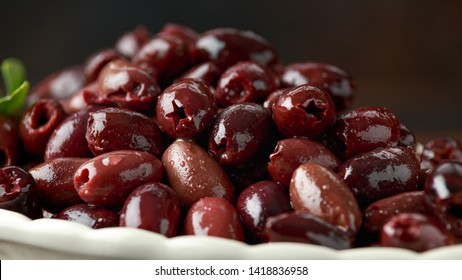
405	55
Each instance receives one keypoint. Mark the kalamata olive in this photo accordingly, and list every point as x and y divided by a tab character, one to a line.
130	42
194	174
154	207
406	136
112	129
443	190
186	108
108	179
260	201
292	152
213	216
227	46
95	63
68	139
8	142
89	215
182	31
319	191
18	192
303	227
245	81
77	101
439	149
240	133
336	82
361	131
304	111
273	98
126	86
206	71
55	183
381	173
415	232
381	211
38	123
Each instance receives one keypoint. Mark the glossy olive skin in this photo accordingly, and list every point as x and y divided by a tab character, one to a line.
245	81
240	133
303	227
108	179
193	174
273	98
440	149
206	71
336	82
304	111
381	173
362	130
78	101
38	123
126	86
55	183
415	232
227	46
153	207
91	216
292	152
9	139
257	203
186	108
319	191
18	192
112	129
381	211
443	190
95	63
68	139
130	42
406	137
182	31
213	216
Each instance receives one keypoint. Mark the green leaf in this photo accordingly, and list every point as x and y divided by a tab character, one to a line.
12	103
14	74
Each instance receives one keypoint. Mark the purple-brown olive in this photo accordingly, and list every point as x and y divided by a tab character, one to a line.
304	227
240	133
304	111
381	173
130	42
182	31
38	123
112	129
55	183
213	216
206	71
186	108
77	101
96	62
153	207
108	179
319	191
91	216
440	149
9	140
292	152
18	192
273	98
260	201
193	173
406	137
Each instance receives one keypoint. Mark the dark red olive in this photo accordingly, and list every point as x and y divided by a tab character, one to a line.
440	149
381	173
68	139
18	192
38	123
206	71
361	131
336	82
304	111
406	137
273	98
112	129
213	216
185	33
240	133
319	191
303	227
245	81
153	207
90	216
443	190
78	101
193	173
108	179
130	42
9	140
227	46
292	152
415	232
55	183
95	63
186	108
260	201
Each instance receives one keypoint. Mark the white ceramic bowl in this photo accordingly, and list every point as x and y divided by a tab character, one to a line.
21	238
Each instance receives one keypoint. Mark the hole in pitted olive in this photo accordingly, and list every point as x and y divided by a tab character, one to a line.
177	114
41	117
455	211
312	110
